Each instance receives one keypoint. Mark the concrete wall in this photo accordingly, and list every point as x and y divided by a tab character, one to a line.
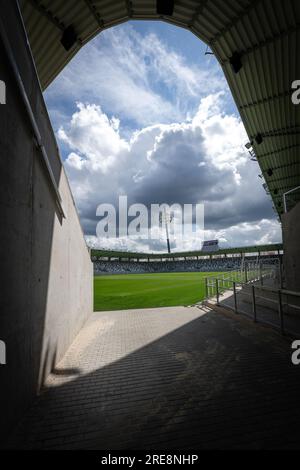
291	244
46	286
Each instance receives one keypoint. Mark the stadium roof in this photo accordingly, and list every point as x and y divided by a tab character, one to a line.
186	254
255	41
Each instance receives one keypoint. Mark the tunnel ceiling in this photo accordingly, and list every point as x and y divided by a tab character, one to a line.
255	41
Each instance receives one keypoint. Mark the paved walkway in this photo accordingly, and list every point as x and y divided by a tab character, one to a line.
165	379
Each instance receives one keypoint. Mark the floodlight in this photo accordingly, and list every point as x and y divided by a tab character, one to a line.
236	62
265	186
208	52
259	139
69	38
165	7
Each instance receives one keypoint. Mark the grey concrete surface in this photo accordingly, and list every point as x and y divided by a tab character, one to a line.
291	241
169	378
46	285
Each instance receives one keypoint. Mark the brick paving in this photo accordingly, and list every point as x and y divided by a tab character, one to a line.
169	378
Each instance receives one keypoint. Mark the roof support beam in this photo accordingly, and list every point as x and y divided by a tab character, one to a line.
129	8
284	131
287	165
281	190
271	181
233	23
283	149
198	12
38	6
94	12
264	43
265	100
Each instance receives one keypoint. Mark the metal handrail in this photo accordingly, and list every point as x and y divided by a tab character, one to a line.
279	292
275	291
265	288
285	194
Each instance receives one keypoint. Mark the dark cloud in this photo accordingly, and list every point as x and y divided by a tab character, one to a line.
174	164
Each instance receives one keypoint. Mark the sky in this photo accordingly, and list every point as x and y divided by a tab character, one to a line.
142	111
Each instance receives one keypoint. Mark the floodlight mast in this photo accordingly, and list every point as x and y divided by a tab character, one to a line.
167	230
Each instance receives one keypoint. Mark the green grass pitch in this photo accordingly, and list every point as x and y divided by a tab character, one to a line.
126	291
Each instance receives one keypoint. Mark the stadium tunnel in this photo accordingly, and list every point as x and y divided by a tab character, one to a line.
47	292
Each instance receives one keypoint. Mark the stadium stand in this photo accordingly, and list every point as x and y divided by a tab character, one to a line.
205	265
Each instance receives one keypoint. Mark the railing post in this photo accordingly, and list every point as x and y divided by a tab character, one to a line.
235	299
217	291
206	288
284	203
260	273
280	273
280	310
253	303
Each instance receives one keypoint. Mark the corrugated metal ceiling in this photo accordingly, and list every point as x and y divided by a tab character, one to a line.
264	32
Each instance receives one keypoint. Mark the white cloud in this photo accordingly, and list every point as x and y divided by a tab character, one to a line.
91	133
139	130
224	134
248	233
245	234
197	160
136	77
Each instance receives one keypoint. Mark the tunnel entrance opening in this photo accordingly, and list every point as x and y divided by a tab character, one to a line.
186	145
249	39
